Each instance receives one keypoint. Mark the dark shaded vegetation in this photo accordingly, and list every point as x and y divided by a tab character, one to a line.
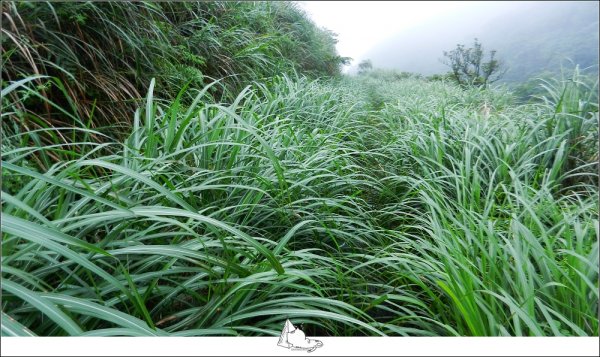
105	52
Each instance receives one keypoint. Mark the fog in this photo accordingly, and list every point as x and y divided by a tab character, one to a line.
530	37
362	24
419	48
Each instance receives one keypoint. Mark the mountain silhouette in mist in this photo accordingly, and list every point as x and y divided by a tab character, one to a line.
531	38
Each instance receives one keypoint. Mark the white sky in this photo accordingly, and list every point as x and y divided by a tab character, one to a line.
361	25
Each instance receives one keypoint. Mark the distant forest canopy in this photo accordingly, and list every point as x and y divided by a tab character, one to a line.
532	39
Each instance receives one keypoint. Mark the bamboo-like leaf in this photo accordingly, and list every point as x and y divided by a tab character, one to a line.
45	306
11	327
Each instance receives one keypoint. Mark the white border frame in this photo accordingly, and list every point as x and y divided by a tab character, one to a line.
332	346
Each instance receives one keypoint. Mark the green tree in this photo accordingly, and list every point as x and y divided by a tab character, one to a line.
469	67
365	66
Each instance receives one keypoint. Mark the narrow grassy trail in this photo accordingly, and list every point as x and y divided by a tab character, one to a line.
300	199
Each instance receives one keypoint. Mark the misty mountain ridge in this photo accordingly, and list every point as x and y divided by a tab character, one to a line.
530	39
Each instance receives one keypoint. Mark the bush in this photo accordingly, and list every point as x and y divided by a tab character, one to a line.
468	66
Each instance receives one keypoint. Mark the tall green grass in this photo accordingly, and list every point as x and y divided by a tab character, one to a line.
176	169
303	199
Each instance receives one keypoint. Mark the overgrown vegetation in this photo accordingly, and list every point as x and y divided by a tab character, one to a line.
368	205
104	53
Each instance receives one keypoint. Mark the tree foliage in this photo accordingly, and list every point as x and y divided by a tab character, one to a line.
365	66
469	67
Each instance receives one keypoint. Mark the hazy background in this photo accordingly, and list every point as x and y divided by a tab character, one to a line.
531	37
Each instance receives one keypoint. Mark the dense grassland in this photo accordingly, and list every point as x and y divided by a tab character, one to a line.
370	205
